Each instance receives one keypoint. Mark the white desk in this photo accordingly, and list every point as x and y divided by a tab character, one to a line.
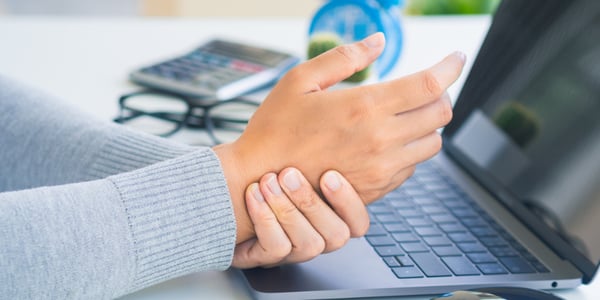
86	62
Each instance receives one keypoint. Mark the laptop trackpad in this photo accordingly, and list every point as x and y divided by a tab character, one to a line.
354	266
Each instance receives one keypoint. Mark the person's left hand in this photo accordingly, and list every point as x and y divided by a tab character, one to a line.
293	224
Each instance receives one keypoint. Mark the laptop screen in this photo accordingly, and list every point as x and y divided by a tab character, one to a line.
529	113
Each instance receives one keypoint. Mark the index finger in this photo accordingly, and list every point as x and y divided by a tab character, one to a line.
418	89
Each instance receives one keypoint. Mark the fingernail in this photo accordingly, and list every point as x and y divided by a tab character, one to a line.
461	56
291	180
274	185
375	40
332	181
256	193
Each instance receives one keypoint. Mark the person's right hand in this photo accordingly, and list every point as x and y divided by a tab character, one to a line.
293	224
373	134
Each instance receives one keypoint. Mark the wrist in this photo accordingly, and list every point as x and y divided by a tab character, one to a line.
237	181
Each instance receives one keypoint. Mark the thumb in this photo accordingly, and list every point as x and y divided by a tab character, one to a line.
338	63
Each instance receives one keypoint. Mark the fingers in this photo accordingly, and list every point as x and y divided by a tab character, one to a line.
346	202
333	230
413	91
336	64
271	244
306	240
424	148
424	120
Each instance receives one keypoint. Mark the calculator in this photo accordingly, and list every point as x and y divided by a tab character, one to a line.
219	69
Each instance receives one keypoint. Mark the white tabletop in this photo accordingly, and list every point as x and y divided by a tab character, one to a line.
86	62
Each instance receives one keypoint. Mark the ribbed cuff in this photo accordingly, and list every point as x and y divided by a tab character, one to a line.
180	216
126	150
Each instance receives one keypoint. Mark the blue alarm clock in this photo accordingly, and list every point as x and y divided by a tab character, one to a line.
354	20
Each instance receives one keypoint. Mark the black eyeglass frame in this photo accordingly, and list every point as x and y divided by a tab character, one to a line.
190	119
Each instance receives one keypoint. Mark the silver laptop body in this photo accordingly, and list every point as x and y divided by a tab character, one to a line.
523	150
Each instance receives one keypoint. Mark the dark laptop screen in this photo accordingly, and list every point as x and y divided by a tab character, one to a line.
529	113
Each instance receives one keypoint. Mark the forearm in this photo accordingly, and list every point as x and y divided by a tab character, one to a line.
106	238
45	142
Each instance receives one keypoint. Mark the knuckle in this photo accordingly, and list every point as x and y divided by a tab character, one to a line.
318	246
436	143
347	52
287	212
314	246
307	202
379	143
433	146
431	86
339	239
445	111
360	230
281	250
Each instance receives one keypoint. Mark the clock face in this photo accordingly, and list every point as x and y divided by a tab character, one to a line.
354	20
351	22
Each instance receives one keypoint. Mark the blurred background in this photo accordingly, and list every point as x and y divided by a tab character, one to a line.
204	8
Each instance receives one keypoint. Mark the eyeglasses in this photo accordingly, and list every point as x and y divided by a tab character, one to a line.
166	114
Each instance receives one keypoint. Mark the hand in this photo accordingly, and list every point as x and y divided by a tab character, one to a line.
293	224
373	134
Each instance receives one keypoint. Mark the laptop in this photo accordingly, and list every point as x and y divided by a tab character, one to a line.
513	199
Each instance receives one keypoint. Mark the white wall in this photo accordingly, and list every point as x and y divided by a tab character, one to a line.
202	8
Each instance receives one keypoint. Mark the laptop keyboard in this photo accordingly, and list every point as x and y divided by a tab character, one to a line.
430	228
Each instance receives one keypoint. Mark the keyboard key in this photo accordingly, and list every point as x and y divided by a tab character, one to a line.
452	227
425	200
460	265
479	258
503	251
430	264
389	251
491	269
405	261
409	212
379	209
405	237
391	261
516	265
427	231
415	191
407	272
396	227
387	218
400	203
445	194
483	231
375	229
414	247
380	240
470	247
418	221
434	209
473	222
493	241
461	237
443	218
446	251
437	241
464	212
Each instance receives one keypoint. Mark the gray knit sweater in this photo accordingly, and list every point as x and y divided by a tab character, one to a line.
92	210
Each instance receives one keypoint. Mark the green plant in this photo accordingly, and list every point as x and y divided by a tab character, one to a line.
323	42
450	7
520	123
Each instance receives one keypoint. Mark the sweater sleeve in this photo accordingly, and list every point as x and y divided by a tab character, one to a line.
90	209
105	238
45	142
